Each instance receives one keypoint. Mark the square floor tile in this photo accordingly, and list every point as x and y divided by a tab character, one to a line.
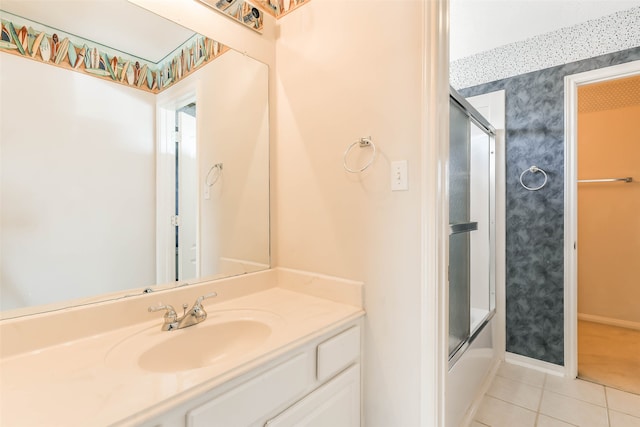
578	389
497	413
522	374
624	402
516	392
573	411
618	419
544	421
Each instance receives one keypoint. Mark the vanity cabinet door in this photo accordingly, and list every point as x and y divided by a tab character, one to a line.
335	404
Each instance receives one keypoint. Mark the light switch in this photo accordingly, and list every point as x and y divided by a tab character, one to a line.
399	180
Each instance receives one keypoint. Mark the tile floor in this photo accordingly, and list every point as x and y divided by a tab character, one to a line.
521	397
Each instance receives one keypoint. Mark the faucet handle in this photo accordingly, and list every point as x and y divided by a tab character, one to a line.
170	317
204	297
161	306
171	312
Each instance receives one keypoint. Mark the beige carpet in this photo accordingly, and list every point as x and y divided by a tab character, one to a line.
609	355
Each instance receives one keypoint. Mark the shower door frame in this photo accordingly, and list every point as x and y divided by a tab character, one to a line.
571	84
483	124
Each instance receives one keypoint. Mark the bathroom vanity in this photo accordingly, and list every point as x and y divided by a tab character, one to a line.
278	348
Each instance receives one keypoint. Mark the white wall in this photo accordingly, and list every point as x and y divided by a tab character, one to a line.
348	70
78	185
234	120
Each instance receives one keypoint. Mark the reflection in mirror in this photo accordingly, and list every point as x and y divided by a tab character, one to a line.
107	189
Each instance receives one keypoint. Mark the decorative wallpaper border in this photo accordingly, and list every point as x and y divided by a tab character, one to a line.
238	10
74	53
279	8
608	34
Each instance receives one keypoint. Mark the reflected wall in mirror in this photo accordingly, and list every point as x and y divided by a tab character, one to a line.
101	195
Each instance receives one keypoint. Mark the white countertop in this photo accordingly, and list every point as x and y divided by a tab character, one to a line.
71	383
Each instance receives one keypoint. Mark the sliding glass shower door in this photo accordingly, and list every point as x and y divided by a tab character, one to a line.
472	224
459	195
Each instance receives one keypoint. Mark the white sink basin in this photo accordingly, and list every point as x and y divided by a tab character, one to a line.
221	336
201	345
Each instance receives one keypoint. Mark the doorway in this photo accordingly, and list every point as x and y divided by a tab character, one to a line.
603	191
186	191
177	195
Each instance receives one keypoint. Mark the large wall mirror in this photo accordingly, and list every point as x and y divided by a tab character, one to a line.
108	190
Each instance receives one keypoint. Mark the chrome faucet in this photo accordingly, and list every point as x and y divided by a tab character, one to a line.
194	315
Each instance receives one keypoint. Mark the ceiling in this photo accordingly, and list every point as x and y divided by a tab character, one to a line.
117	24
481	25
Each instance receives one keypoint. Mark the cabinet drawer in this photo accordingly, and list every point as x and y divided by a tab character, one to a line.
256	398
335	404
337	353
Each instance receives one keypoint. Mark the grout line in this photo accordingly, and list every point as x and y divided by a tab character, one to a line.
562	421
550	416
579	399
604	389
606	402
519	380
620	410
510	403
543	390
544	384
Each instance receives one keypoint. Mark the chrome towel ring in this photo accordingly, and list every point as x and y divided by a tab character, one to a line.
217	167
534	169
363	142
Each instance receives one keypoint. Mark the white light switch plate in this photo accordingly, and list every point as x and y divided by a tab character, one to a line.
399	180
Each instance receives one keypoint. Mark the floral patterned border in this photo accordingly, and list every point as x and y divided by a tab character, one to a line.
238	10
90	58
279	8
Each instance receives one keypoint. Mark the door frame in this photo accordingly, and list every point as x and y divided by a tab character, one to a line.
496	101
571	84
188	218
166	105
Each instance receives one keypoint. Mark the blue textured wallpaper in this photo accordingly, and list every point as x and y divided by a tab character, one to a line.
535	219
